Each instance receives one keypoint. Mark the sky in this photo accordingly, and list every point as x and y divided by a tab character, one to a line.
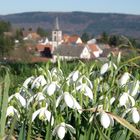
101	6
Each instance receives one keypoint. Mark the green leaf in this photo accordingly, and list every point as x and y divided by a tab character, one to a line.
125	123
4	105
22	134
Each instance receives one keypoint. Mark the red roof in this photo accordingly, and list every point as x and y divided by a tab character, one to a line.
93	47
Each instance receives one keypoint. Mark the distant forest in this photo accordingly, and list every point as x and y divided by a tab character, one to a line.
79	22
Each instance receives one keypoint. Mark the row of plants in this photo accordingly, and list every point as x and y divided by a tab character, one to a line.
83	102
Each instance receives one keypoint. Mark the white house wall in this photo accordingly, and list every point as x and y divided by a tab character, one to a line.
79	41
85	54
96	53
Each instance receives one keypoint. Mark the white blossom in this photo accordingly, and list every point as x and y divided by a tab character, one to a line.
134	88
27	81
73	76
11	111
37	97
126	100
86	90
70	101
39	81
106	120
61	129
134	112
104	68
135	115
44	114
19	98
51	88
124	79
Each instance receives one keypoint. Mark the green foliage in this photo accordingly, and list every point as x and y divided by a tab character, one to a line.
19	34
41	32
85	37
4	27
4	104
87	124
104	37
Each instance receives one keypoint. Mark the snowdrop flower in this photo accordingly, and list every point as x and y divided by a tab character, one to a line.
70	101
73	76
104	68
124	79
39	81
106	120
61	129
134	112
11	111
19	98
51	88
126	100
27	81
87	91
56	71
37	97
135	115
44	115
57	74
85	80
133	88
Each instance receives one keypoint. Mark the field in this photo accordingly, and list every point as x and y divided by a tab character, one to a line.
76	100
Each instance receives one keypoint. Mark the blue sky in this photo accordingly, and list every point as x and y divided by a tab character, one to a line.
107	6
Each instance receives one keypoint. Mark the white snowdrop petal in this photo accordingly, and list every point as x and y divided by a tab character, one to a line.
132	100
105	120
49	117
68	100
51	89
112	100
77	106
135	115
59	100
61	132
123	99
88	92
34	115
124	79
10	111
135	89
40	96
21	99
27	81
104	68
75	76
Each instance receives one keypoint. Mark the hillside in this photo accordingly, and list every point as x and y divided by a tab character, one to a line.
79	22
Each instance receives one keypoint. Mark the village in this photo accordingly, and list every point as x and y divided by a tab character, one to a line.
64	46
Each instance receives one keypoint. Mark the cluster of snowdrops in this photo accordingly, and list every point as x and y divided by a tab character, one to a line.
66	103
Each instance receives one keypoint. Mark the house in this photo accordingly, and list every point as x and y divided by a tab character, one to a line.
69	52
95	50
73	39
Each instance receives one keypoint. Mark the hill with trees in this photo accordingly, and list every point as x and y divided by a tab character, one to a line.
79	22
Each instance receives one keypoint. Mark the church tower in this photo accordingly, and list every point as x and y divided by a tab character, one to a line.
56	34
